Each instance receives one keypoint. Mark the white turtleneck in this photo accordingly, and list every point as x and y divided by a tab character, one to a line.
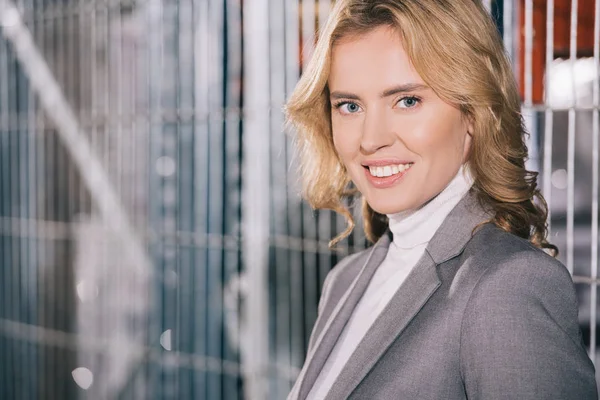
412	230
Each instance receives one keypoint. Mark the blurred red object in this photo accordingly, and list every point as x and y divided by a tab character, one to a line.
562	38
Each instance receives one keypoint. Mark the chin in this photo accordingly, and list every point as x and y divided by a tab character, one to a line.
388	208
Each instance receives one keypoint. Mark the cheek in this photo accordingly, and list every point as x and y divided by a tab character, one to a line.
443	142
343	139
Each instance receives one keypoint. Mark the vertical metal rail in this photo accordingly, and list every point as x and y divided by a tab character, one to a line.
305	13
308	278
308	29
203	72
528	67
255	189
215	193
6	292
278	387
292	297
527	108
311	20
40	182
595	183
155	52
324	8
27	253
33	188
232	260
548	114
571	141
325	217
181	280
165	166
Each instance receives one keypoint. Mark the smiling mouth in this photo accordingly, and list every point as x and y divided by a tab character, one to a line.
388	170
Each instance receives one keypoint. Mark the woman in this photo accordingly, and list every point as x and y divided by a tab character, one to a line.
414	103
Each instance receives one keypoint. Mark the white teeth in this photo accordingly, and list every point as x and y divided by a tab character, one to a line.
388	170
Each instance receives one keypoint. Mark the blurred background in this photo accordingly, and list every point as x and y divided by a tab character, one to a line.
153	243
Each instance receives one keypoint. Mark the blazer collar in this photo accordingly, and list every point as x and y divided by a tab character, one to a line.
458	228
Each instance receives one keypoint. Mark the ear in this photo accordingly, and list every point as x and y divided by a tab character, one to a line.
468	140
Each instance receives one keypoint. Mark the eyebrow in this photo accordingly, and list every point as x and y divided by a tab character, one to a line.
409	87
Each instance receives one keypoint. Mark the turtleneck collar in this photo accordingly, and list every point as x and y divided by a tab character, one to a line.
412	228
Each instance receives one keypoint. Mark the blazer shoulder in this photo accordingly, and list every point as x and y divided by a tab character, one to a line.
347	269
496	252
511	270
521	313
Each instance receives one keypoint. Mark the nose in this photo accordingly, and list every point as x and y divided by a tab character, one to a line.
376	133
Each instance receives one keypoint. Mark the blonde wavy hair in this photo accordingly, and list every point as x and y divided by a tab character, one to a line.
456	49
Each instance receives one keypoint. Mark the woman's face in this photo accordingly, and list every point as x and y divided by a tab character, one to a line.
400	142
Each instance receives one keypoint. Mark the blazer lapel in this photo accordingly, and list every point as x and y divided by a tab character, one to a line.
416	290
418	287
338	319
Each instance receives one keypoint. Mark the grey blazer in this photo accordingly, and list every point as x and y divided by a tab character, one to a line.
481	316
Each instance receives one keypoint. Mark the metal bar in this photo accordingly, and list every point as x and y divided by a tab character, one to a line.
324	8
293	271
34	246
279	388
6	285
307	281
41	162
165	168
157	81
571	142
308	30
86	79
527	108
232	261
216	191
201	155
595	178
305	278
548	114
528	67
26	270
182	280
586	280
324	223
56	338
11	197
255	188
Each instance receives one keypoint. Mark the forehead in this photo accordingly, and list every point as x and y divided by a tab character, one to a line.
371	62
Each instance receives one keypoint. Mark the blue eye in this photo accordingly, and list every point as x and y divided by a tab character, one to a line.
352	107
409	102
348	107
